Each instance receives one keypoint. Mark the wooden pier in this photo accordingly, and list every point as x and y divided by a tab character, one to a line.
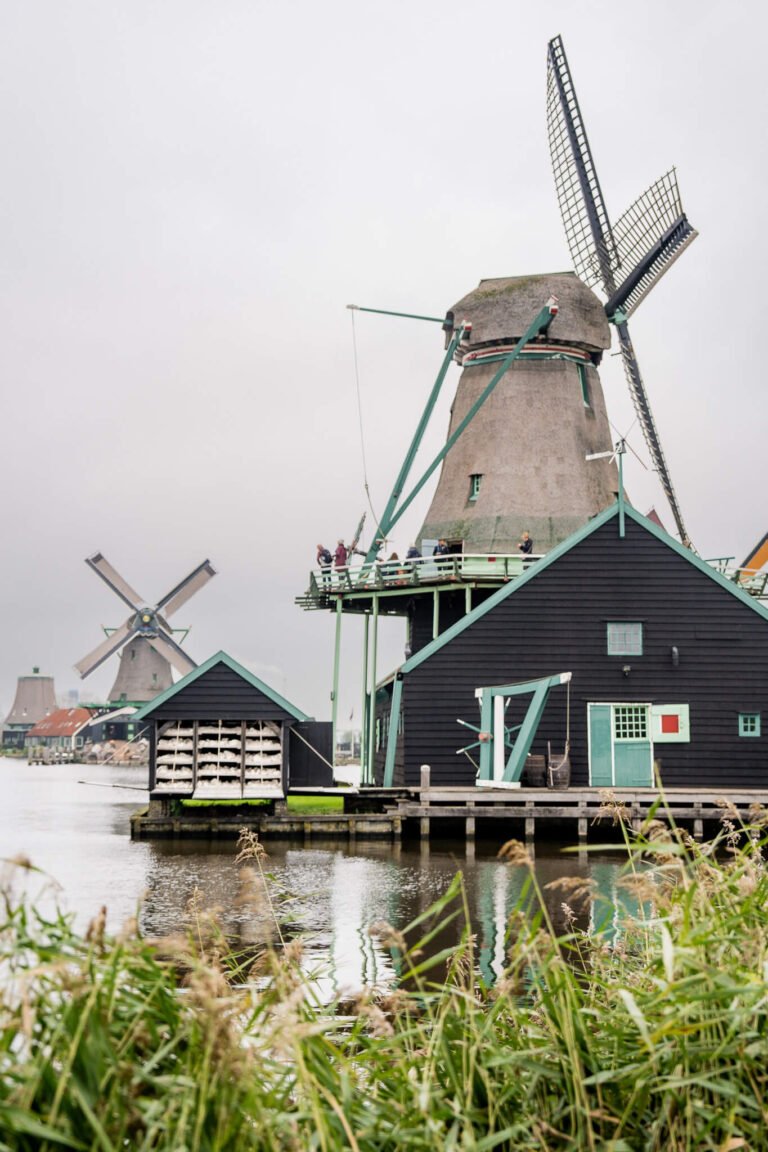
575	815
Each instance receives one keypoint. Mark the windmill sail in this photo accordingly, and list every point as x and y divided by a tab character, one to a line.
587	228
144	641
649	237
626	260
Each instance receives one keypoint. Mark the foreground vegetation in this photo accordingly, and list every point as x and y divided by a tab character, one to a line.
647	1033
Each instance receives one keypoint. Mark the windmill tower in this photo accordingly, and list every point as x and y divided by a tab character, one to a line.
521	464
145	641
34	700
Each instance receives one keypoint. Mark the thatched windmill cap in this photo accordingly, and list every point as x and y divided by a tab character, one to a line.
503	309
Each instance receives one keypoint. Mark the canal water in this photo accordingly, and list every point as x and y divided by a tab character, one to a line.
72	822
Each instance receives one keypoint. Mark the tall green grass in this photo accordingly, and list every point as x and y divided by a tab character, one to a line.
646	1033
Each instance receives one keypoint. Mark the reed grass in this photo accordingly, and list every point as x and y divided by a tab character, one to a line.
649	1032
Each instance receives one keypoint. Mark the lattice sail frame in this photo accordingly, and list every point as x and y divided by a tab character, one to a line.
626	261
587	227
655	221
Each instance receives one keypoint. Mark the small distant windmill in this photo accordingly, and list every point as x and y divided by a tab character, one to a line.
626	259
145	641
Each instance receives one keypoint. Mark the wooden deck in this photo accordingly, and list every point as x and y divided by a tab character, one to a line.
577	809
574	814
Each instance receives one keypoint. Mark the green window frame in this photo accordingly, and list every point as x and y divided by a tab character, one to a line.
475	481
624	638
749	723
630	722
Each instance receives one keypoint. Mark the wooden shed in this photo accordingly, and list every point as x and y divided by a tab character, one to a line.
669	664
222	733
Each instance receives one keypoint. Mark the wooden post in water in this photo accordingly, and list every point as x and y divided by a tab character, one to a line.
530	823
423	797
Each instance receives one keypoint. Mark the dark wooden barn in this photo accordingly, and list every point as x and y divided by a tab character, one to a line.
221	733
669	663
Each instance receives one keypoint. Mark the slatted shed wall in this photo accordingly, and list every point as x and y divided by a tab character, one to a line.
556	622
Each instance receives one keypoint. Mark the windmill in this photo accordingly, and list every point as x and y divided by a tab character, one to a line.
627	259
145	641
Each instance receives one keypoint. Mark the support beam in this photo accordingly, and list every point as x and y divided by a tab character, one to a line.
540	324
388	516
394	723
369	776
364	714
335	690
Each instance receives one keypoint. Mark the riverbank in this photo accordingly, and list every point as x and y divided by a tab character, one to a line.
647	1030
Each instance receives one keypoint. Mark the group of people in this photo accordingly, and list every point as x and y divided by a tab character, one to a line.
327	559
339	559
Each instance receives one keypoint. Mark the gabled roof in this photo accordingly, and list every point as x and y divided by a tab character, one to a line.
219	658
552	557
62	722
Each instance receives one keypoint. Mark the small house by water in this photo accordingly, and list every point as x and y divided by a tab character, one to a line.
222	733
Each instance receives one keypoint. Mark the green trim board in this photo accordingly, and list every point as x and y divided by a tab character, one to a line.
196	673
613	512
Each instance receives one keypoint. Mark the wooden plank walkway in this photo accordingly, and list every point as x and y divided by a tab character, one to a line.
582	806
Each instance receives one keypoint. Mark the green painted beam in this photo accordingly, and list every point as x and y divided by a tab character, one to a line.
394	723
542	321
404	315
386	521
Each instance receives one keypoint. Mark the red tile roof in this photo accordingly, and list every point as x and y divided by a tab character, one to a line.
62	722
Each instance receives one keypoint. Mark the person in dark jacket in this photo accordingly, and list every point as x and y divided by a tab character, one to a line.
526	544
324	560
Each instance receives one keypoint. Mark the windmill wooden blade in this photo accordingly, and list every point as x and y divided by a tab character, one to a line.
649	237
183	591
175	655
587	227
115	581
106	649
648	425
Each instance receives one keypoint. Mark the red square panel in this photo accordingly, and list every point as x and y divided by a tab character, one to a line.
670	723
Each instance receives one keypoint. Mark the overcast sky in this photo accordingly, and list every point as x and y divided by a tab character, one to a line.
192	193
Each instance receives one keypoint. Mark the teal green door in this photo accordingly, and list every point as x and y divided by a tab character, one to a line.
600	746
620	748
632	749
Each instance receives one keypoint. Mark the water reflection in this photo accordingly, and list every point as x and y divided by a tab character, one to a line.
79	834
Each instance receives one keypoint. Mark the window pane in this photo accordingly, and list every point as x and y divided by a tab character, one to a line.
625	638
630	722
749	724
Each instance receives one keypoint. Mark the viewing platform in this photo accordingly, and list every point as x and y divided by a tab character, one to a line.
356	583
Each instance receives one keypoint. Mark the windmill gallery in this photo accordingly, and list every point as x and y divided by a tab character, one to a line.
611	641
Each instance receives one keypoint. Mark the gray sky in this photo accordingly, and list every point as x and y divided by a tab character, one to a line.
192	193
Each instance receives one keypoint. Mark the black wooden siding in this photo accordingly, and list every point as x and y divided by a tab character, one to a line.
557	623
220	694
308	770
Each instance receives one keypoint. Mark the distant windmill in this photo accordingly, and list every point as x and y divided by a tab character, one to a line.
145	641
626	259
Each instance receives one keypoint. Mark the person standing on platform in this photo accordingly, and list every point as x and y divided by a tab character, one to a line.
340	556
324	560
526	544
439	551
